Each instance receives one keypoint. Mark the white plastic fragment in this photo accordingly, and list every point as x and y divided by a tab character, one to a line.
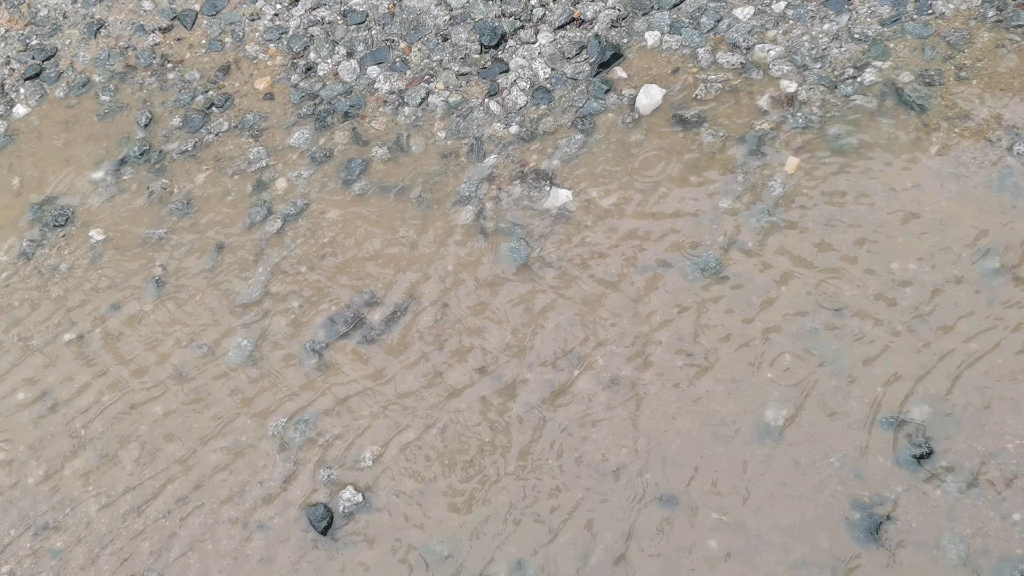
649	98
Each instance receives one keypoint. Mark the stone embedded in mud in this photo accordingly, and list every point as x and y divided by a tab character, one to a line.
649	98
688	120
369	456
320	517
919	449
241	351
915	98
155	286
957	38
320	155
301	138
349	318
213	7
187	18
27	248
585	124
353	171
61	216
258	212
93	27
931	77
195	120
604	55
257	158
294	209
708	264
32	71
515	253
313	351
867	522
187	148
354	17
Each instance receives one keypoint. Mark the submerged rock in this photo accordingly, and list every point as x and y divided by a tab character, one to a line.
708	264
649	98
868	520
320	517
350	500
349	318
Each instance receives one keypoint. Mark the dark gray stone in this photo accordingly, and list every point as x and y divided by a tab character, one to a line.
44	53
376	57
688	120
708	264
187	148
144	118
475	150
593	107
915	98
496	68
491	35
353	170
180	208
320	155
187	18
212	8
294	209
32	71
585	124
931	77
195	120
61	216
258	212
146	57
93	27
604	55
320	517
348	319
274	33
355	17
221	73
51	76
139	150
836	6
252	124
957	38
600	87
867	522
542	96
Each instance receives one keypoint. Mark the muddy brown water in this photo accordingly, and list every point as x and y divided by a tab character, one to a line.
602	410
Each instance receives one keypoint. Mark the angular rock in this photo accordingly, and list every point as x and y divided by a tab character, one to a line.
353	171
320	155
649	98
195	120
490	34
376	57
258	212
93	27
144	118
915	98
212	8
44	53
496	68
604	55
294	209
320	517
61	216
354	17
187	18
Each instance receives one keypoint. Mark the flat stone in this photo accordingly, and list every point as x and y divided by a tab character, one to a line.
144	118
32	71
918	29
353	170
212	8
187	18
320	155
915	98
542	96
376	57
490	34
92	28
604	55
496	68
354	17
44	53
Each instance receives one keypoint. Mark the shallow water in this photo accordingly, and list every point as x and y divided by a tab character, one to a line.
604	409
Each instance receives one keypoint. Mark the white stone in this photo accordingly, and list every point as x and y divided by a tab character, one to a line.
707	90
744	13
97	235
730	60
381	153
788	86
649	98
374	71
369	456
557	197
348	71
20	111
653	38
671	42
905	77
765	53
778	7
792	165
349	500
617	73
775	415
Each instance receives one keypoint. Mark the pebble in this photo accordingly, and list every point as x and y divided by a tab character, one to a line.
320	155
688	120
301	138
557	197
97	235
744	13
792	165
320	517
20	111
649	98
262	84
915	98
213	7
187	18
653	38
708	264
349	500
353	170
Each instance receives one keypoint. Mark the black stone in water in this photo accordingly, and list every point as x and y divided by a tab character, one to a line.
542	96
605	55
353	170
221	73
866	524
221	102
187	18
79	86
688	120
496	68
320	517
213	7
93	27
358	139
